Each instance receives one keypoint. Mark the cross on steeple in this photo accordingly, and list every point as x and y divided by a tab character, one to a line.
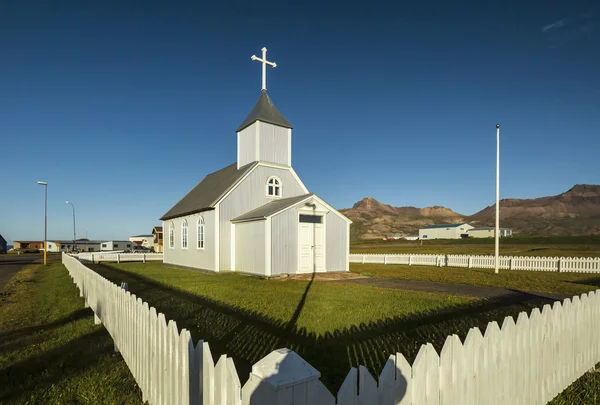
264	62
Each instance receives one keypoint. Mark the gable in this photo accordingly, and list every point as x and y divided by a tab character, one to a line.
209	191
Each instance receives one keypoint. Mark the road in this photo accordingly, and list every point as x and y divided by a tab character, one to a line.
11	264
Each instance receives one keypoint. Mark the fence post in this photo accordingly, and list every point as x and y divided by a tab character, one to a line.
144	258
446	265
510	263
363	262
277	374
469	262
409	260
559	263
384	259
118	258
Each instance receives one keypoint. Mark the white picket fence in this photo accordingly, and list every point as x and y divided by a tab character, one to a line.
534	263
119	257
524	363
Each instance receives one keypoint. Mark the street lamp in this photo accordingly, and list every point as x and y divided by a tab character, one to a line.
45	184
74	237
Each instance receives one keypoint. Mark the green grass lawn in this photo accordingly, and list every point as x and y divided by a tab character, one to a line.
333	326
50	350
534	281
559	246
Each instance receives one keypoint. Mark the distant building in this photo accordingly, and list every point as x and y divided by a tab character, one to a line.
110	245
488	232
142	240
29	244
157	231
82	245
445	231
3	245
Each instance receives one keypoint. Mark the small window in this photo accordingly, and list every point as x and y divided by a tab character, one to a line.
424	236
274	187
171	236
129	245
313	219
184	234
104	245
200	232
116	245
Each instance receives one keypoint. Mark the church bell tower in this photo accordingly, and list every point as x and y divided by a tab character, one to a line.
265	135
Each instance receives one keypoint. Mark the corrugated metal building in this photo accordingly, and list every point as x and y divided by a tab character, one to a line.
256	216
444	231
488	232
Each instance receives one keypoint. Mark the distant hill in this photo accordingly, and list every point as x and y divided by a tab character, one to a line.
575	212
373	220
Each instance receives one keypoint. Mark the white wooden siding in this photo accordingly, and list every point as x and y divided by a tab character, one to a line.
247	146
273	143
336	229
250	247
248	195
284	242
444	233
191	257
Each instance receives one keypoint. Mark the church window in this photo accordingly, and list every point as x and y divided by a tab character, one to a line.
274	187
200	233
171	236
184	234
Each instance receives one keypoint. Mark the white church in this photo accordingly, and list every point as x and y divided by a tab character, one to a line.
256	216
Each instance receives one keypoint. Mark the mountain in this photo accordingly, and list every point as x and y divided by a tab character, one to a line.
575	212
373	219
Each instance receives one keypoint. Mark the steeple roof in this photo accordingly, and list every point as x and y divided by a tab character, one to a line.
264	111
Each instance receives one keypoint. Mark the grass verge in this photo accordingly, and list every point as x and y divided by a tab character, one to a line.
332	326
50	350
531	281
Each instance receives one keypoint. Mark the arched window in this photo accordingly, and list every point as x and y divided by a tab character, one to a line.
274	187
171	235
184	234
200	232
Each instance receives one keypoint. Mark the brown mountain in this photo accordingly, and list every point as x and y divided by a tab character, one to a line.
373	219
575	212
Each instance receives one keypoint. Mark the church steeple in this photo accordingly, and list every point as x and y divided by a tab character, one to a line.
265	135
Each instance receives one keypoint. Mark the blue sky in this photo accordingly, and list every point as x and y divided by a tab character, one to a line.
123	106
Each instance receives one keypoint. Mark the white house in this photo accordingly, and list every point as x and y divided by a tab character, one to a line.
488	232
84	245
444	231
111	245
256	216
142	240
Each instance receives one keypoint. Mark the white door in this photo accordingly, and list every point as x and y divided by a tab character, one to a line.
312	247
306	247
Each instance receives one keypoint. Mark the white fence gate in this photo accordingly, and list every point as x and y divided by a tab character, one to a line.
534	263
526	362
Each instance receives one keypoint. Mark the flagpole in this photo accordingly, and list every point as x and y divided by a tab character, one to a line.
497	233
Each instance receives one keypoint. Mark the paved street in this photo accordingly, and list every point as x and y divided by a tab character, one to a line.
11	264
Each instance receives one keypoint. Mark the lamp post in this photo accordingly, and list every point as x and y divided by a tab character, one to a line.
86	241
497	233
45	184
74	236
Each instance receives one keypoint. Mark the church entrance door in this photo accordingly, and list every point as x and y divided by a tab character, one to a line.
311	244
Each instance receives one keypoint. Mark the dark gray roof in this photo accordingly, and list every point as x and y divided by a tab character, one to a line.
270	208
442	226
264	111
208	191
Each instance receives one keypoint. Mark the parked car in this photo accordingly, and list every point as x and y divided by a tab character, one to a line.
142	249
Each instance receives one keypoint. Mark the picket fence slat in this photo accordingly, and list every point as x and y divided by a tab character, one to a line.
527	361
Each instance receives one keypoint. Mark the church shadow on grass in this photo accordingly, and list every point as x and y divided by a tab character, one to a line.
249	336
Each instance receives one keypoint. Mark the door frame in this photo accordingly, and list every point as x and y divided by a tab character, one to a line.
321	213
